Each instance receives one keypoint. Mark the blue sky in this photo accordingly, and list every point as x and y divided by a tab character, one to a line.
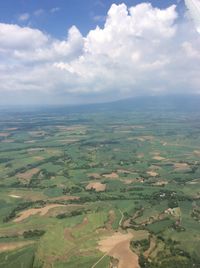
56	16
87	51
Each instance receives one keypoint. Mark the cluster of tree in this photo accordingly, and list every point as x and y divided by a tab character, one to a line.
171	256
4	160
47	174
33	233
33	165
173	203
70	214
72	190
196	214
22	206
142	245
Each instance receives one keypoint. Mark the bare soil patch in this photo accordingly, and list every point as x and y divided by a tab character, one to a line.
65	197
128	181
97	186
112	175
15	196
152	173
26	176
30	141
161	182
33	211
159	158
141	155
181	166
73	128
12	128
39	158
4	134
111	219
68	235
124	171
13	245
148	252
118	246
197	152
96	176
28	195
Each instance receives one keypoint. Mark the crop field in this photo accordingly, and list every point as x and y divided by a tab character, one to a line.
99	189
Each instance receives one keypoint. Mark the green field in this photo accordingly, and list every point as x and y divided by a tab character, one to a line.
71	179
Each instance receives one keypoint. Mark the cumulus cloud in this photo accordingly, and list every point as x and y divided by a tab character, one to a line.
141	50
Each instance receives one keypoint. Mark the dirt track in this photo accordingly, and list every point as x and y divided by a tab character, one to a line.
33	211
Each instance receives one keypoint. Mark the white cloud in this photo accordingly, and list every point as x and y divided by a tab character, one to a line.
141	50
39	12
24	17
54	9
15	38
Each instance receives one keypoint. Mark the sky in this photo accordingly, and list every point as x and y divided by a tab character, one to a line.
86	51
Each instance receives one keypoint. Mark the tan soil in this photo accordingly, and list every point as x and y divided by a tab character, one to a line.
97	186
39	158
159	158
94	176
68	235
159	183
65	197
127	223
81	225
12	128
28	174
154	167
4	134
148	252
13	245
33	211
143	138
129	181
15	196
112	175
197	153
181	166
141	155
118	246
124	171
31	141
111	219
152	173
28	195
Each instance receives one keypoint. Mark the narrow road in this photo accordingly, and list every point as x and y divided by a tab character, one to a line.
120	222
93	266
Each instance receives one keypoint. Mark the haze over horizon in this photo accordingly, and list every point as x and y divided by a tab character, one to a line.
111	50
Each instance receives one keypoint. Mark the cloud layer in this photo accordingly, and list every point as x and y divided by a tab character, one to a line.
141	50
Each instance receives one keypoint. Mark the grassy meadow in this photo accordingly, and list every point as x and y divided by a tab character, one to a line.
72	180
